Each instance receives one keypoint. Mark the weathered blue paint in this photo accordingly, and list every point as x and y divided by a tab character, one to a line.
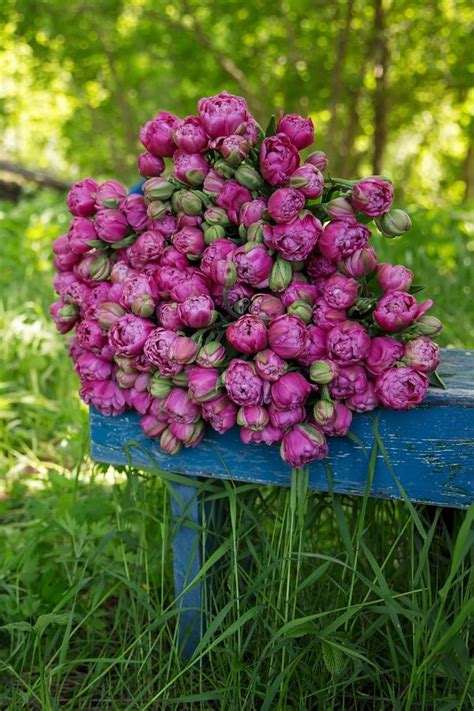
429	455
430	449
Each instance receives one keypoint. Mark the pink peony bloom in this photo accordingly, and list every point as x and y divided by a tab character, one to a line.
247	335
197	311
318	266
254	264
105	395
372	196
299	290
190	168
315	347
394	277
157	135
243	385
90	336
318	159
348	343
340	422
285	204
147	249
350	380
302	444
308	180
253	417
110	194
341	238
383	354
231	198
290	391
81	198
190	136
360	263
269	365
365	401
401	388
221	115
284	419
64	315
422	354
180	408
299	130
340	292
221	413
399	309
204	383
127	336
81	232
91	367
135	211
252	211
279	158
288	336
266	306
150	166
189	241
295	240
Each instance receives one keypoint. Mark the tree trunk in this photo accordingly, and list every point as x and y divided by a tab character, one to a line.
45	180
381	60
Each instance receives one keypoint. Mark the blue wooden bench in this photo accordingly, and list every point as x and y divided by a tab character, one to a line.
425	455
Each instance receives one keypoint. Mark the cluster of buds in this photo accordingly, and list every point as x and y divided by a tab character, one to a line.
239	288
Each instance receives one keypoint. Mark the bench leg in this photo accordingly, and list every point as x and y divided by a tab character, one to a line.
185	507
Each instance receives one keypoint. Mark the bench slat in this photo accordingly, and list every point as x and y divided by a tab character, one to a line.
429	450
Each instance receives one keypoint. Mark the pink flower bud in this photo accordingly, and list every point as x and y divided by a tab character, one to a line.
340	239
189	241
340	209
302	444
279	158
213	183
254	264
169	443
81	198
284	419
269	366
111	225
360	263
156	349
110	194
398	309
299	290
364	401
401	388
90	336
290	391
394	277
221	249
231	198
285	204
190	136
105	395
325	316
222	115
211	354
422	354
190	168
234	149
348	343
318	159
340	292
135	211
251	212
299	130
383	354
64	315
266	306
223	272
309	180
255	417
150	166
221	413
315	346
81	232
147	249
372	196
318	266
180	408
288	336
350	380
243	385
183	350
247	335
108	313
294	240
197	311
151	426
157	135
168	316
128	335
190	435
268	435
340	423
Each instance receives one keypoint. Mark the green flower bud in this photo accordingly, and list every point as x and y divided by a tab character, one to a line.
216	216
99	268
158	209
322	371
393	223
190	203
213	232
223	169
301	309
243	232
281	274
180	380
255	232
159	386
324	411
158	189
248	177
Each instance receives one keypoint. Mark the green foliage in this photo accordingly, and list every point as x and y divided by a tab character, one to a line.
387	83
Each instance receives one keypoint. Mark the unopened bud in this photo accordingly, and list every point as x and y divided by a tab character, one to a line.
158	189
301	309
323	371
281	274
223	169
213	232
318	159
248	177
159	386
324	412
393	223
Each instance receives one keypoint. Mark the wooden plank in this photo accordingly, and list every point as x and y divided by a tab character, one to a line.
430	449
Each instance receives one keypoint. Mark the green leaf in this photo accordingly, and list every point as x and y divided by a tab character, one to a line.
271	127
124	242
332	657
436	381
51	618
17	626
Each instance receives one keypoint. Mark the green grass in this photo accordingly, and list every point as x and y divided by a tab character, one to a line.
317	601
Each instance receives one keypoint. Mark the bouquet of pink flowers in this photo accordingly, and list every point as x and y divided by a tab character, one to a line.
237	286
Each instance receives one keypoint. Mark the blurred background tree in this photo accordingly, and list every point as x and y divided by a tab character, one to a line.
388	83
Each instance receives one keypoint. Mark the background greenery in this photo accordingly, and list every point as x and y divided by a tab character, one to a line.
318	601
